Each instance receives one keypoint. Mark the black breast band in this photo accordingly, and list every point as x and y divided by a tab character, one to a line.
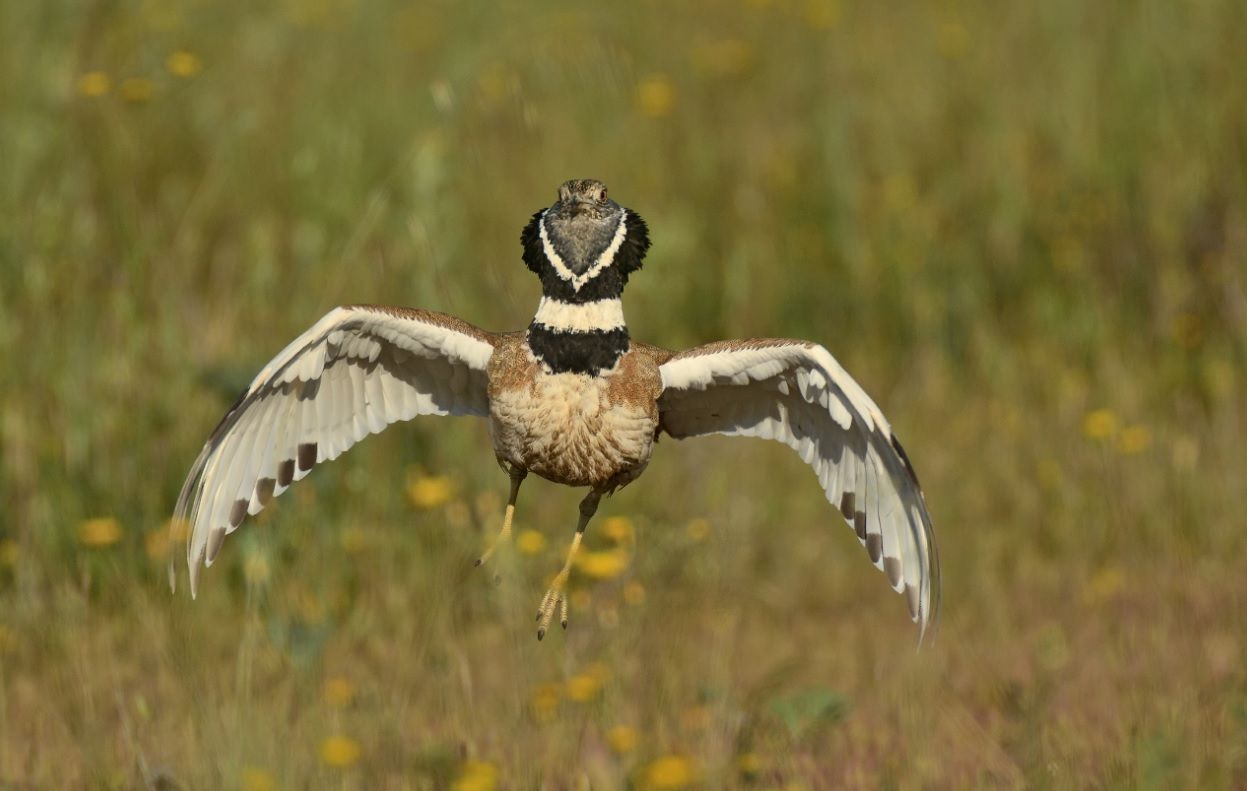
589	352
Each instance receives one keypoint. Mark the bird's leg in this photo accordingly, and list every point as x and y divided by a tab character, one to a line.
555	596
517	477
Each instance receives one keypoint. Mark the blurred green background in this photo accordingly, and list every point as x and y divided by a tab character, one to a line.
1021	226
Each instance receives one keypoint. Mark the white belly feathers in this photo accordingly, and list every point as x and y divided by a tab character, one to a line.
565	428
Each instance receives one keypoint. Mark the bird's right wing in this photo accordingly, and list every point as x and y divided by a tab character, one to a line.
796	392
356	371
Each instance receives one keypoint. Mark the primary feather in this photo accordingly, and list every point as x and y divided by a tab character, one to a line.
795	392
356	371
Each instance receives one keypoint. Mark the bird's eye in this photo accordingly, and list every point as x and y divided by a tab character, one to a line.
602	195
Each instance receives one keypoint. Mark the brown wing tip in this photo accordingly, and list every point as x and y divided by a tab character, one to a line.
892	566
237	512
215	539
307	456
264	490
874	547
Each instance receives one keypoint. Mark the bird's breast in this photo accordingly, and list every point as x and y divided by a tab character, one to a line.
573	428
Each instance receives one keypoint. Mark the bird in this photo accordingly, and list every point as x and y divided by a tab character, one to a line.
572	398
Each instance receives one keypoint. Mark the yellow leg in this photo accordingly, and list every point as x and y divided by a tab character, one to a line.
517	477
555	598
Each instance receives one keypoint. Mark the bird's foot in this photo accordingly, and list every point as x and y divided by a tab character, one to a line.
503	536
555	598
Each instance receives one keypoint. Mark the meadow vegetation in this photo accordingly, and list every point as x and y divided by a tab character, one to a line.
1021	226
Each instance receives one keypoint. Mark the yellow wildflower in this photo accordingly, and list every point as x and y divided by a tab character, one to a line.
495	83
476	776
308	605
428	491
602	565
94	84
583	688
530	542
655	96
952	39
545	702
1099	424
339	752
669	772
618	529
102	532
339	691
1134	439
1104	585
899	190
749	764
255	779
698	528
8	552
622	739
634	593
353	539
822	14
183	64
136	89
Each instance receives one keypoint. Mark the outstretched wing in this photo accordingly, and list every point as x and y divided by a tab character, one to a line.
357	370
796	392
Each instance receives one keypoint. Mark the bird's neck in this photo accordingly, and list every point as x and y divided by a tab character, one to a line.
586	337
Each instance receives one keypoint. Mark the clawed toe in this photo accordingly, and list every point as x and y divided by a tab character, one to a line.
554	598
489	553
556	595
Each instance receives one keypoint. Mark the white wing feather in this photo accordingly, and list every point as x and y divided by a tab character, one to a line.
795	392
356	371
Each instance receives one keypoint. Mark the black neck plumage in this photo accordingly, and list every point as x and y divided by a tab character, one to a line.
579	326
578	352
606	284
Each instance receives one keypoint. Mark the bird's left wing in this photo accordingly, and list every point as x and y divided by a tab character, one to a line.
357	370
795	392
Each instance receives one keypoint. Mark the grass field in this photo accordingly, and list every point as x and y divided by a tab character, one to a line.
1022	227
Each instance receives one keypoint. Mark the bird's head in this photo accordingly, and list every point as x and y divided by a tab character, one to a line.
585	245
